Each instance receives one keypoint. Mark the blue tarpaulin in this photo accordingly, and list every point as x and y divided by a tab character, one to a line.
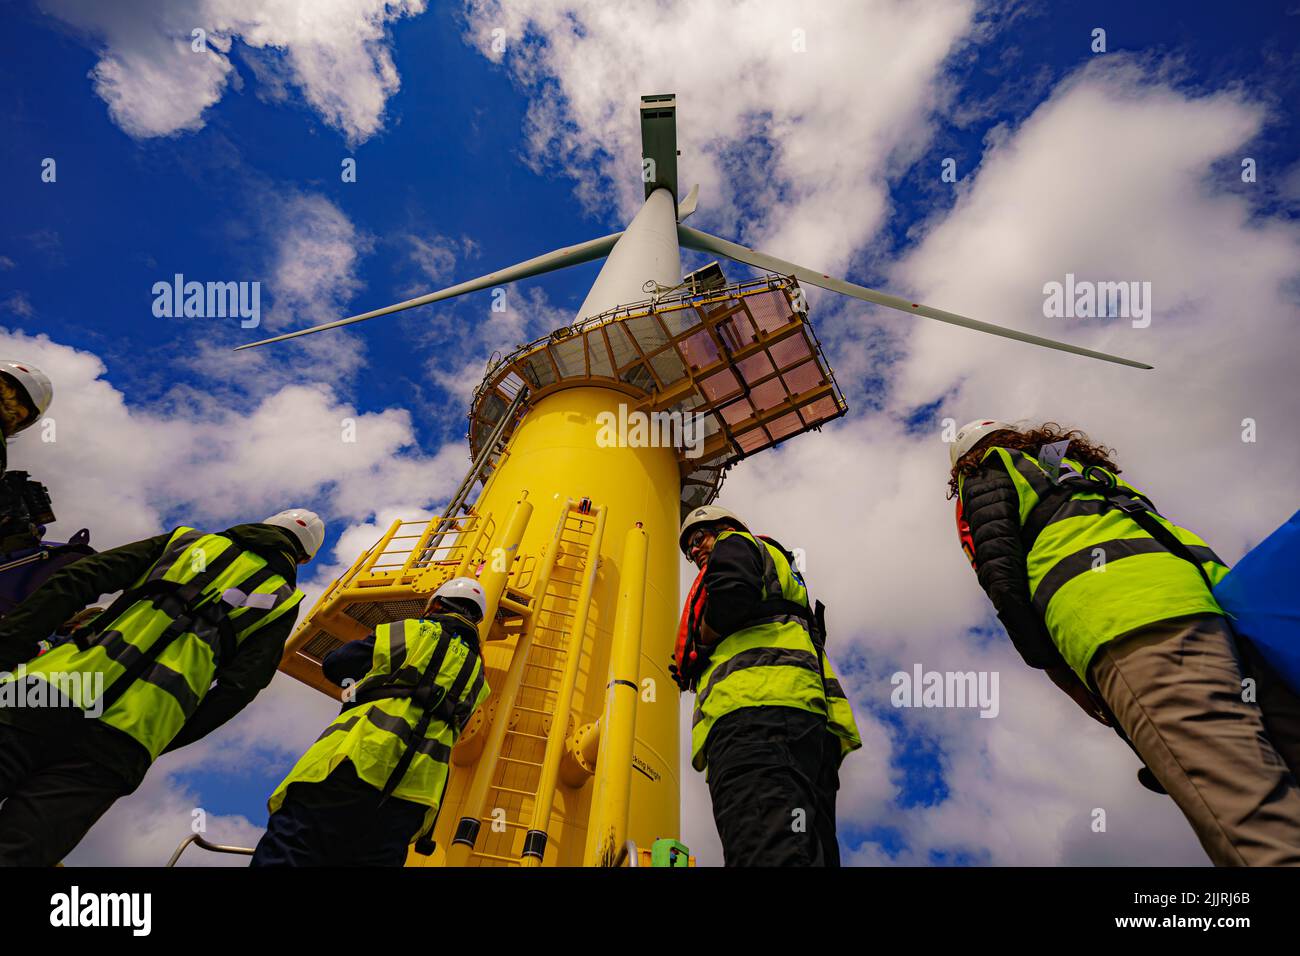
1262	596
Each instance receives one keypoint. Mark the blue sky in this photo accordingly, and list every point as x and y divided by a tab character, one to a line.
473	160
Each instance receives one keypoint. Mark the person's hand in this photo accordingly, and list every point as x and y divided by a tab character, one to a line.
1069	682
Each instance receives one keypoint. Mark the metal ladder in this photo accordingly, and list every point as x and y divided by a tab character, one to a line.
483	466
537	715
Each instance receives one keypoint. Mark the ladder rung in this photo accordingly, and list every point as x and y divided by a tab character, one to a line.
545	667
505	823
512	826
533	710
501	789
513	861
526	763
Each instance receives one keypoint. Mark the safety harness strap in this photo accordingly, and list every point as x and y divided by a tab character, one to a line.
780	609
444	707
1136	506
408	754
177	601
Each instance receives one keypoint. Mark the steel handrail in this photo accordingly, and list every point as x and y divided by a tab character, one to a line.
206	845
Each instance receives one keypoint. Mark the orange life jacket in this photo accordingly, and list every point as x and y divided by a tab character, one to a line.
686	654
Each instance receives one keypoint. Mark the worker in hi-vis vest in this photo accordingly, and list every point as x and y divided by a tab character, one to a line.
1114	601
372	783
197	632
771	722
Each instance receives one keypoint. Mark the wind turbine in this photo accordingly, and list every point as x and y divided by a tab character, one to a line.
648	250
574	537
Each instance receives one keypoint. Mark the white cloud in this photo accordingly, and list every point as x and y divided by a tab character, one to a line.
145	828
315	258
155	84
527	314
126	471
1119	176
759	124
309	275
19	304
436	256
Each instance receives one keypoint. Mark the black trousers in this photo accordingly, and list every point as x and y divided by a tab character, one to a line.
55	784
773	773
339	821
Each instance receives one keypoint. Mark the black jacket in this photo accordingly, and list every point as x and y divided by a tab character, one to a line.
733	580
992	509
237	681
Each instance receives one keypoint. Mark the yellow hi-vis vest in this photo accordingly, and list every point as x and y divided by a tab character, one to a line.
1094	573
392	726
157	648
774	662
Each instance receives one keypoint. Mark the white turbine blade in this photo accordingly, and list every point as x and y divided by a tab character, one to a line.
548	262
704	242
689	204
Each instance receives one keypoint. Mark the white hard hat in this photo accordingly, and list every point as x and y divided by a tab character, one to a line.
970	434
705	515
34	384
467	593
305	525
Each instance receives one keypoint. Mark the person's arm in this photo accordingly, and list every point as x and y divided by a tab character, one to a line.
69	590
351	662
248	673
992	509
733	580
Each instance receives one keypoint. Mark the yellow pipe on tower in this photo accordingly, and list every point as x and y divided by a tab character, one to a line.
607	834
498	567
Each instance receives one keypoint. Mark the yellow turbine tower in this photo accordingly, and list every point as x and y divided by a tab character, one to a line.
588	446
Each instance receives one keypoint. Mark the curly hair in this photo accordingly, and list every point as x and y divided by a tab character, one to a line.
1082	448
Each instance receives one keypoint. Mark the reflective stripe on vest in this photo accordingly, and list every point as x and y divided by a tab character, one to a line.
376	734
150	688
1094	573
770	663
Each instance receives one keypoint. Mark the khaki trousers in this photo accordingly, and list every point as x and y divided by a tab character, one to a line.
1231	765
